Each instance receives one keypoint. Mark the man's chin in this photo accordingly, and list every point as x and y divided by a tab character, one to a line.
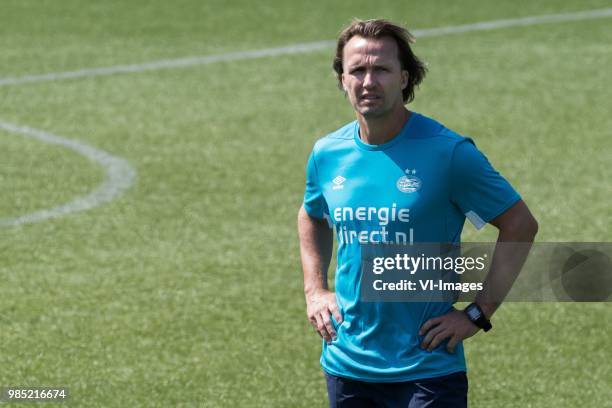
372	113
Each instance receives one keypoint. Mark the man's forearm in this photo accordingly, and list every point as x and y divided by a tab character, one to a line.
316	243
516	235
508	259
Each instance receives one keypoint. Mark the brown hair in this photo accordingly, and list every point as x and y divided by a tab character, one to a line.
378	29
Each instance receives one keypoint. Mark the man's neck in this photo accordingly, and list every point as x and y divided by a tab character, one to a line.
377	131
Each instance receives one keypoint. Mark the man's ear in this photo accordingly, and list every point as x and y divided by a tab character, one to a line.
343	84
405	77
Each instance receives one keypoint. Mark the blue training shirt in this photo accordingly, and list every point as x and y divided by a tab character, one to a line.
418	187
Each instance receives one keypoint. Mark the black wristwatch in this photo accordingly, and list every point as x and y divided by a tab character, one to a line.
475	314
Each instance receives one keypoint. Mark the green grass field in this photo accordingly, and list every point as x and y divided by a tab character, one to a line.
187	289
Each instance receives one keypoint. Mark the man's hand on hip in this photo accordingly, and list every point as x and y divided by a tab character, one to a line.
454	325
320	306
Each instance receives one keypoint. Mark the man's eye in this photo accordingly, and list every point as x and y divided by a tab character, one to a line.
356	70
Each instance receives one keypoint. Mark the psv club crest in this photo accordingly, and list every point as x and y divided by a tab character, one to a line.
409	183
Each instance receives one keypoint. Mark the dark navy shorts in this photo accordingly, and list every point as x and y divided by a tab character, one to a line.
449	391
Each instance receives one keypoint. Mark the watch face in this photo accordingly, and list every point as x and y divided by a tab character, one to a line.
473	313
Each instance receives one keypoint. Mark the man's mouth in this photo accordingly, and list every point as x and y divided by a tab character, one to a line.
369	97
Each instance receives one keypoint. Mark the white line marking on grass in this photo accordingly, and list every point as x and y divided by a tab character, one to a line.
300	48
120	176
515	22
170	63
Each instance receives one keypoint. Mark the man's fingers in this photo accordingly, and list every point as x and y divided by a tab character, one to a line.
336	312
428	325
322	329
320	312
438	339
452	343
329	325
430	336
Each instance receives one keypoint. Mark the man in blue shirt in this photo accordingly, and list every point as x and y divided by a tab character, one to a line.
396	177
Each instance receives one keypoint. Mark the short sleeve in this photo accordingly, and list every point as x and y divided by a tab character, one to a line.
314	201
480	192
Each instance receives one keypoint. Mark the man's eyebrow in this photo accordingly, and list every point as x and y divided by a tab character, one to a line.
375	65
355	65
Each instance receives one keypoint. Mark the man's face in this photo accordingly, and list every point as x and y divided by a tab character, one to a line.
372	76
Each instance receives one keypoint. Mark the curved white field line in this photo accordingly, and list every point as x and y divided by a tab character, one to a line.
300	48
120	176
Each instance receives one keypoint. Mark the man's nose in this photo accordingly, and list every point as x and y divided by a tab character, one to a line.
369	80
